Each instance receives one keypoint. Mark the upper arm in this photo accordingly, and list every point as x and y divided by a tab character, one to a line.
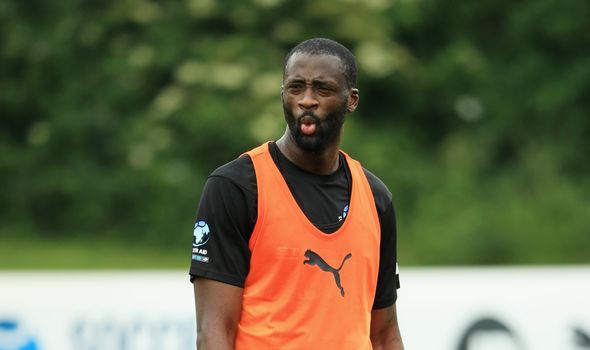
227	209
387	279
218	307
385	333
220	259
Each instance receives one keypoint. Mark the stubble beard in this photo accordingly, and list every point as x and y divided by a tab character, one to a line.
327	130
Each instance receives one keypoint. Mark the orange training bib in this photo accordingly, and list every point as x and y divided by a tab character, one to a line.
306	289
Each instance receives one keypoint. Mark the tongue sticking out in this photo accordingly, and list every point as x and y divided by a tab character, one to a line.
307	126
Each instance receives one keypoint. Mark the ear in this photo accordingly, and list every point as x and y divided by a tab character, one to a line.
353	100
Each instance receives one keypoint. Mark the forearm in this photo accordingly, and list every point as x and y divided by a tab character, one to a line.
215	334
385	333
214	341
390	344
218	311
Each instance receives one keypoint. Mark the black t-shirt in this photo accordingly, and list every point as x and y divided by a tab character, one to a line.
228	210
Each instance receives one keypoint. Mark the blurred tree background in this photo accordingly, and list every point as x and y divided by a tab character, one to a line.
113	113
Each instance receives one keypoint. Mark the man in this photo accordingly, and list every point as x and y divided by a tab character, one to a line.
295	243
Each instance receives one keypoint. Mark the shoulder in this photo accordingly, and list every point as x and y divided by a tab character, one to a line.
235	168
239	171
381	193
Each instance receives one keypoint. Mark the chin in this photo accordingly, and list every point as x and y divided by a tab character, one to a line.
312	144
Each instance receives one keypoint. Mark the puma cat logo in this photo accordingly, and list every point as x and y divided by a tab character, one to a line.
314	259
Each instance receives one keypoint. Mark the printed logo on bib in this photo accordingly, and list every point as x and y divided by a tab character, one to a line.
313	258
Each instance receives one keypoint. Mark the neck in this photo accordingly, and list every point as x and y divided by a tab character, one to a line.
322	163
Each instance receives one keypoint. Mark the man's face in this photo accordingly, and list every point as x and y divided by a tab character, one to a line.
316	98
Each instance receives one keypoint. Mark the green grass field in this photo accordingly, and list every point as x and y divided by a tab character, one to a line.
34	254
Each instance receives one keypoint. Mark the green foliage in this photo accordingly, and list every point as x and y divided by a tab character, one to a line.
474	113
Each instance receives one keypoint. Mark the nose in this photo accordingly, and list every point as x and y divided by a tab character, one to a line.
308	99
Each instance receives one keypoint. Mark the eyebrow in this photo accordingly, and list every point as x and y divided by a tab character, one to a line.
316	81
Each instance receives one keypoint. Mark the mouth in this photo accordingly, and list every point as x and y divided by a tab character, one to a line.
308	124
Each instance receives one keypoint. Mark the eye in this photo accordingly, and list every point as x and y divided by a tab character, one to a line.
324	90
295	88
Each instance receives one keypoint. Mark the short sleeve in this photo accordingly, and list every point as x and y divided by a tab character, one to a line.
221	232
388	278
